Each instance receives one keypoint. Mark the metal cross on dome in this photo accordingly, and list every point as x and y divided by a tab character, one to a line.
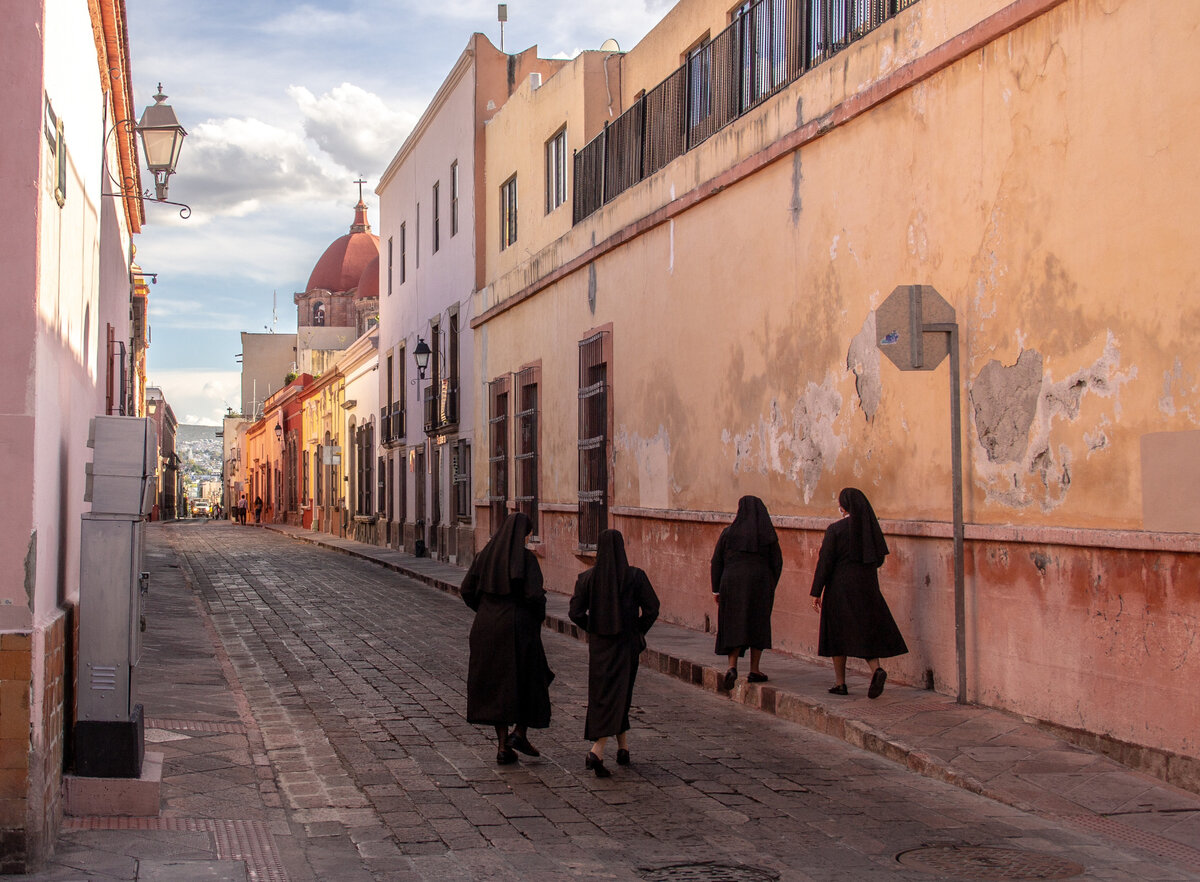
360	183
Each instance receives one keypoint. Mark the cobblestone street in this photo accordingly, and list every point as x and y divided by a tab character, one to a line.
319	699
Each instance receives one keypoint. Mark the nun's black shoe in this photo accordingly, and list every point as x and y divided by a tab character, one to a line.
622	757
730	679
839	689
519	742
877	680
506	757
756	677
596	764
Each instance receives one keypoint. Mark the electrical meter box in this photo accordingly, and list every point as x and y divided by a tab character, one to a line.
112	588
121	478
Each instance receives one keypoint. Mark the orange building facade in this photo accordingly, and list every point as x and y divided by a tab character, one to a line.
697	321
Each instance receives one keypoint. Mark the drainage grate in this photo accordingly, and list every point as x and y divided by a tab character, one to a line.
1160	845
248	841
706	871
984	862
197	726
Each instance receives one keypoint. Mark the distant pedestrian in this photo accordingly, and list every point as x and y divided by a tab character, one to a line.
508	677
746	566
616	604
241	510
258	507
855	619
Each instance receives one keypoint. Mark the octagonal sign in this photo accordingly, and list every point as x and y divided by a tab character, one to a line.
902	327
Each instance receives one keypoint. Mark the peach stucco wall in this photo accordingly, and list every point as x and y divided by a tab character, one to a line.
1041	179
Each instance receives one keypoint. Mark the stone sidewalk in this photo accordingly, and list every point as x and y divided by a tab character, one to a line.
985	751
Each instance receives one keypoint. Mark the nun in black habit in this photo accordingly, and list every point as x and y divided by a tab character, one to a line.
746	566
616	604
508	677
855	619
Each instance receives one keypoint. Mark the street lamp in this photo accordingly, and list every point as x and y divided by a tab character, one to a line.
278	432
162	140
421	354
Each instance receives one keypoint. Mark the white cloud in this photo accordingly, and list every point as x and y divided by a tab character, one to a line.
235	166
308	20
199	395
352	126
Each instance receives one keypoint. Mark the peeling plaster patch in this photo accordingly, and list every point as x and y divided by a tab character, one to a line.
862	359
1005	401
1178	381
797	179
801	446
651	459
1039	474
31	568
671	240
987	268
1040	560
833	248
885	59
918	241
1097	440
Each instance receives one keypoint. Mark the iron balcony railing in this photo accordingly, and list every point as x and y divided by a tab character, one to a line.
441	405
767	47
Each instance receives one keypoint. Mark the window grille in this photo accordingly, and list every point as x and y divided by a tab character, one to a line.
454	198
461	478
437	216
382	503
556	170
525	460
402	493
508	213
403	253
435	490
498	390
421	512
593	440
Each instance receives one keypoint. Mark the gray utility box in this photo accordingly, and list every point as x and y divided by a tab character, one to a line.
112	589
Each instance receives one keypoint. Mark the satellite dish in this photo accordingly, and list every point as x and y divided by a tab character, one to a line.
610	45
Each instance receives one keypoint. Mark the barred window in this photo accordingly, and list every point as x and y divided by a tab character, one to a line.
498	390
508	213
460	464
525	460
556	170
593	439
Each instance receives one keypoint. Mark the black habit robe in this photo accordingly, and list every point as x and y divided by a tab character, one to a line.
746	566
855	619
508	677
616	604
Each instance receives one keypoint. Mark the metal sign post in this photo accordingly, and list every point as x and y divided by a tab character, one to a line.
916	329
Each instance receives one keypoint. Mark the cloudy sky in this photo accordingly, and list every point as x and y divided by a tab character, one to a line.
286	104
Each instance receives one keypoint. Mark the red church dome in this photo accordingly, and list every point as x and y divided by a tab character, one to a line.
368	282
342	264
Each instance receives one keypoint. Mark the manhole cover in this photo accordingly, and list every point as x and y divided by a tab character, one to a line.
983	862
706	871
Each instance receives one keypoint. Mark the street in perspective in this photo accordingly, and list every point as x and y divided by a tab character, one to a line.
660	440
309	704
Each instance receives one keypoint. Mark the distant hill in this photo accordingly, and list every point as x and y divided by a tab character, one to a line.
195	433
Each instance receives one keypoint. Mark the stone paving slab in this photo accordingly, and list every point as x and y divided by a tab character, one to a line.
982	750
